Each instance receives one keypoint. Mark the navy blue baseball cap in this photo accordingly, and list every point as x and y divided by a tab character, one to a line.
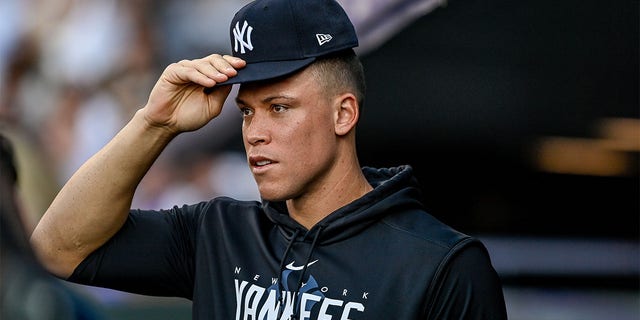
279	37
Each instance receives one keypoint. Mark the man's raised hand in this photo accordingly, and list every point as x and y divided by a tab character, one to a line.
178	102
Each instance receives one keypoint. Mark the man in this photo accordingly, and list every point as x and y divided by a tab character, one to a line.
329	240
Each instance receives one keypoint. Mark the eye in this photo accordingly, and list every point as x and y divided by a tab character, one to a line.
246	111
278	108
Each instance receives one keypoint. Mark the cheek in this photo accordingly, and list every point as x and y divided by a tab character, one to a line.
312	132
312	143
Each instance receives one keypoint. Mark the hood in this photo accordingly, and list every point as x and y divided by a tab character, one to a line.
392	188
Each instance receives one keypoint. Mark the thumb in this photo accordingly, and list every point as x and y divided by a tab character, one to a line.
216	97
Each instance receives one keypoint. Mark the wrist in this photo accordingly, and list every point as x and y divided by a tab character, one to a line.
151	128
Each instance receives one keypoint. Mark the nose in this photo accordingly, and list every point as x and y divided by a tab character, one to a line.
255	131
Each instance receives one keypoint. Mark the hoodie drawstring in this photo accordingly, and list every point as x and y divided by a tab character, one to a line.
280	294
282	262
304	270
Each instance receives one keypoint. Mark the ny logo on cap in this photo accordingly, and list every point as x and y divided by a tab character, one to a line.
239	37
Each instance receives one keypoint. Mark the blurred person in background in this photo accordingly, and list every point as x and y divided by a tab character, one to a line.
27	290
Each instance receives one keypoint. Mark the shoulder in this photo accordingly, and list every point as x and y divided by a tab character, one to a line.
203	210
215	214
423	229
428	239
458	264
221	213
228	207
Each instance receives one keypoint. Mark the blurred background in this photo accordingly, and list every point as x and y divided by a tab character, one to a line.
520	118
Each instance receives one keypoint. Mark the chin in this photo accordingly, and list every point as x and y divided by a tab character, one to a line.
270	195
274	195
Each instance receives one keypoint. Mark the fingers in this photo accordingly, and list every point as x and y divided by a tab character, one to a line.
226	64
181	85
217	98
206	72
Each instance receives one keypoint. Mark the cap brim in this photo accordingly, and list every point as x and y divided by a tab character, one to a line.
267	70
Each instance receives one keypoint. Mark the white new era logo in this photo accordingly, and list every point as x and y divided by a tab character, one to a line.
323	38
239	37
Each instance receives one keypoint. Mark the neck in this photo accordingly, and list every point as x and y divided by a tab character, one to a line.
334	194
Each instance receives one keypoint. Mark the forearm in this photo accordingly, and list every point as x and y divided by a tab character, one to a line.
94	203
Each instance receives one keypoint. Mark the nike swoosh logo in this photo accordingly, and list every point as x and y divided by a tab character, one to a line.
290	266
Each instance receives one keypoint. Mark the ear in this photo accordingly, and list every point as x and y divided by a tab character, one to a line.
346	113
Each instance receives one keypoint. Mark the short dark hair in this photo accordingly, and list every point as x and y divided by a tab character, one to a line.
341	70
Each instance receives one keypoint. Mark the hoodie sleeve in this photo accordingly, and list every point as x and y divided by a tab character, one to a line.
152	254
469	288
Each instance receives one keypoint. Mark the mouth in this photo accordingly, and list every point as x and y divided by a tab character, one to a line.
259	161
262	163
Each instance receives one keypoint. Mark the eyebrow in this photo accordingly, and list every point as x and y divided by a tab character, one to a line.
267	99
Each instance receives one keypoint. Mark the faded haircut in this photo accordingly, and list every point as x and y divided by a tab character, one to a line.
341	71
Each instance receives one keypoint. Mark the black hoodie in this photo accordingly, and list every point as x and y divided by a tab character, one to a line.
380	257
